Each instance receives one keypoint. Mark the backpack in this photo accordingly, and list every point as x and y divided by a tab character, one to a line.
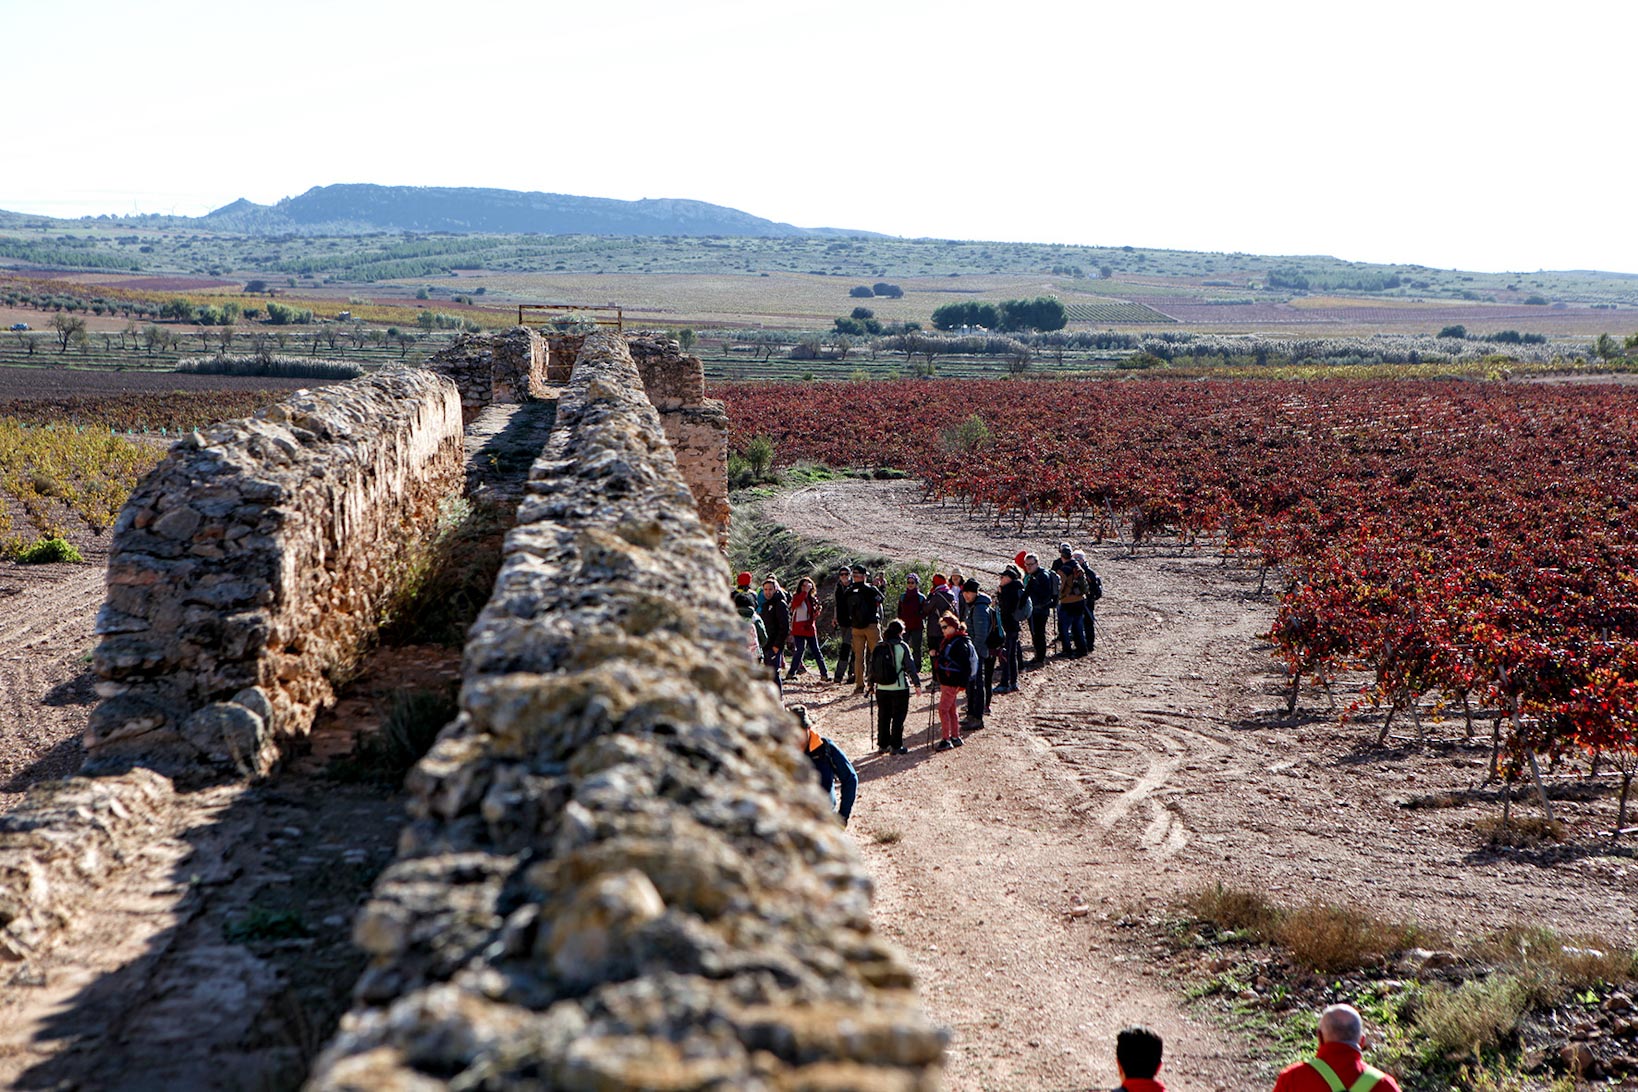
1094	585
1024	609
964	669
884	664
1057	586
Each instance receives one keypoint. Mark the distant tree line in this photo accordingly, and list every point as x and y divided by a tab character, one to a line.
1043	313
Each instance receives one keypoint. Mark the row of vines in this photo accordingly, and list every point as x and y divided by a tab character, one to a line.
65	481
1468	546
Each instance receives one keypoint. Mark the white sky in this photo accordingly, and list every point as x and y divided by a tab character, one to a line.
1482	135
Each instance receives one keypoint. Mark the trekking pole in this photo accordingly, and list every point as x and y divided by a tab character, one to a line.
871	726
931	716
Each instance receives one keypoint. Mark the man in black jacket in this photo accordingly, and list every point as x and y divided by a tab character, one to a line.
844	628
864	611
1038	586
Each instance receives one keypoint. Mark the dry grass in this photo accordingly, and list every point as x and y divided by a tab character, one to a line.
1317	936
1521	832
1574	962
1232	909
1328	938
1475	1016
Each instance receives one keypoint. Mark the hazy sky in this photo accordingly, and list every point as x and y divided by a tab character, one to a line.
1479	135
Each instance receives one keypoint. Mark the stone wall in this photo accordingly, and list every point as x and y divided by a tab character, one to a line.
696	426
251	567
490	368
619	871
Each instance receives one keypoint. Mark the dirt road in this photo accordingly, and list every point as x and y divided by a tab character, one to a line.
46	617
1158	764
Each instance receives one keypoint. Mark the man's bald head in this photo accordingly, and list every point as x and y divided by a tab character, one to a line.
1341	1024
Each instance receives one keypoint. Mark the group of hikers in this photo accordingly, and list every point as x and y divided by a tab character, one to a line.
969	634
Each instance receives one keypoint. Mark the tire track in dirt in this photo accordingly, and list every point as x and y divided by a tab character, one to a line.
47	619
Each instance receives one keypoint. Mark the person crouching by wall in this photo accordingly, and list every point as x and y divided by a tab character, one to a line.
837	777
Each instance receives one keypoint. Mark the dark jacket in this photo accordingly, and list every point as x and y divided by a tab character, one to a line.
841	616
776	615
938	602
1039	587
1012	593
864	605
981	622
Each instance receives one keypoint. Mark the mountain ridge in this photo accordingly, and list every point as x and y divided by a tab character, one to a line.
354	208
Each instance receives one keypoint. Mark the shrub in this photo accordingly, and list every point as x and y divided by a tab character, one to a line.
968	436
1232	909
1455	331
51	550
882	288
861	292
1328	938
1476	1015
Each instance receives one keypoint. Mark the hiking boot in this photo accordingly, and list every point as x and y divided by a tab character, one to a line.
1004	689
901	750
944	745
955	741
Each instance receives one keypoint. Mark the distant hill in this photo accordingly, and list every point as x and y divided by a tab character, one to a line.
361	208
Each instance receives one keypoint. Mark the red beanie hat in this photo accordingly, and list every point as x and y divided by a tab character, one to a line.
938	580
1019	557
744	580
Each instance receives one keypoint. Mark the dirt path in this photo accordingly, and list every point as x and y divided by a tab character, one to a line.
46	617
1161	763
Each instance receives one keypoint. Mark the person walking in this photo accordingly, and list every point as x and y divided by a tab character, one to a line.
893	672
844	627
910	610
1339	1064
1013	607
864	610
984	627
954	668
1038	586
805	613
837	777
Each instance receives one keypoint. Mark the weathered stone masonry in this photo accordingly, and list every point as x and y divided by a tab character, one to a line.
254	563
619	872
514	366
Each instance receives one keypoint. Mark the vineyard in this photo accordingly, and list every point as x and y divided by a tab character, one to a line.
1464	549
61	482
1115	312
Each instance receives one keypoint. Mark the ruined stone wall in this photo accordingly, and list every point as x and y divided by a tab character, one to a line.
251	567
491	368
619	871
696	426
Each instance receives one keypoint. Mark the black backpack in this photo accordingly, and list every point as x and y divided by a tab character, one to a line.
1094	586
884	664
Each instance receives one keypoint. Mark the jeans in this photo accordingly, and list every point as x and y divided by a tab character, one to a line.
912	638
835	769
1012	650
805	644
844	653
1037	630
892	707
1072	627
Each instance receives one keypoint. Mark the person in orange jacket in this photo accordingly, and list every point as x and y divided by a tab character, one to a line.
1339	1064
